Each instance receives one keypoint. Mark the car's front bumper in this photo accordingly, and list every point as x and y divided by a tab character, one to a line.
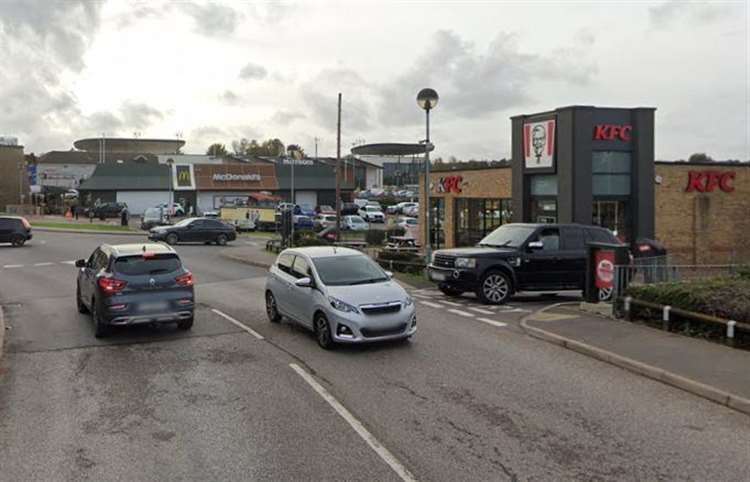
463	278
373	328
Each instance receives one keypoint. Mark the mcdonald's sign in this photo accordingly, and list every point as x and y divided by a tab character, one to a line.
183	177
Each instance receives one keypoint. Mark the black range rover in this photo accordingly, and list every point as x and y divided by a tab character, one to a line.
518	257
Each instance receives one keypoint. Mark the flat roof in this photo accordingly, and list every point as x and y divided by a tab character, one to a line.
389	149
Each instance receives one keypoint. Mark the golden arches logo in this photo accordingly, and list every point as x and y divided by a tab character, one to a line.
183	175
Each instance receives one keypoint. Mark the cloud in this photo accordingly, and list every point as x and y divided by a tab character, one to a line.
253	71
229	97
103	121
212	19
695	12
475	84
320	95
139	115
273	12
286	117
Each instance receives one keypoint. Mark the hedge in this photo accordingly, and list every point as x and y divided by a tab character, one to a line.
405	262
725	297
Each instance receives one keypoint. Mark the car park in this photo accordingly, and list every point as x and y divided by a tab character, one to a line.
303	222
407	223
349	209
354	223
324	209
132	284
340	294
361	202
176	209
323	221
106	210
372	214
411	211
194	230
400	207
15	230
153	217
518	257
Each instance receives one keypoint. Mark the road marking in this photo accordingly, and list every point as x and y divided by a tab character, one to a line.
420	295
67	262
43	264
461	313
9	266
251	243
480	310
431	304
452	303
499	324
232	320
369	438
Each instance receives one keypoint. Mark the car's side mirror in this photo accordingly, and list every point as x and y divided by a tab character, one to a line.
535	245
304	283
389	274
80	263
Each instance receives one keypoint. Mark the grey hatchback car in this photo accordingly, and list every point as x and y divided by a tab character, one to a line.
340	294
131	284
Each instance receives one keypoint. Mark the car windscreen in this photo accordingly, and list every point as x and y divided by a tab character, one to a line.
151	265
348	270
185	222
357	220
508	235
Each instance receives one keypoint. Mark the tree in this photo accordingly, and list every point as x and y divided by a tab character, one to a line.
270	147
219	150
700	157
294	150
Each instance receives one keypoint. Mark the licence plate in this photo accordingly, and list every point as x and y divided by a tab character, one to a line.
437	276
153	306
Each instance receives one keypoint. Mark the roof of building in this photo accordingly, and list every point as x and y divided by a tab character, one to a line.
84	157
389	149
128	176
317	176
125	144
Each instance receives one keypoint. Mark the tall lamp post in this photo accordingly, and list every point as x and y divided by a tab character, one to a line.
170	161
427	99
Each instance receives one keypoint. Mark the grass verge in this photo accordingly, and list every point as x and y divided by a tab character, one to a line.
81	226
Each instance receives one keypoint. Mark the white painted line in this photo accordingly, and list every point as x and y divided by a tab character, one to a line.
452	303
232	320
430	304
420	295
43	264
9	266
369	438
68	262
461	313
499	324
480	310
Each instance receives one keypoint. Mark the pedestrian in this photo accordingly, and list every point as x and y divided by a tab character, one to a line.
124	215
91	215
76	211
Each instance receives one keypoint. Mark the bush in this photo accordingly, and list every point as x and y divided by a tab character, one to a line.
375	237
401	261
308	238
723	297
395	231
744	271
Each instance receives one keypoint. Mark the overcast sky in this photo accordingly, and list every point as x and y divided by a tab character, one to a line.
215	72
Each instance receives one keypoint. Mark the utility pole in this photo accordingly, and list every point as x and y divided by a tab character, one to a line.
316	139
338	173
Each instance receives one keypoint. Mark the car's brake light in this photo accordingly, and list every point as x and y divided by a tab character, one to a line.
147	255
26	224
185	279
111	286
644	247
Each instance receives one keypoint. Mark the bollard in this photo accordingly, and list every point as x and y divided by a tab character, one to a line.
665	317
628	300
730	332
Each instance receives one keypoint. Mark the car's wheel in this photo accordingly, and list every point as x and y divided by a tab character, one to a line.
221	240
272	310
323	332
17	241
100	328
172	239
494	288
185	324
450	291
79	303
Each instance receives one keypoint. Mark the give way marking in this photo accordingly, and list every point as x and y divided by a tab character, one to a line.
240	325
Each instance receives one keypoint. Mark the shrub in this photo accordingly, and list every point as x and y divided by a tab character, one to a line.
375	237
395	231
308	238
405	262
744	271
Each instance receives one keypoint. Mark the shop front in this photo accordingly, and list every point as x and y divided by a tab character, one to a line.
230	185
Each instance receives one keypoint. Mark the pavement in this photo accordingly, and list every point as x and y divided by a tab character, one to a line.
471	397
707	369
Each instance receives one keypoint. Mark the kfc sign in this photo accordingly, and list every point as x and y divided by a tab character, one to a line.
539	144
449	184
612	132
708	181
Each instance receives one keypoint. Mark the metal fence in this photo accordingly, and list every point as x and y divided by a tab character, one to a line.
660	270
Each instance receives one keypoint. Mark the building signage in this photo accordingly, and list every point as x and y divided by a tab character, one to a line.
539	144
709	181
297	162
604	260
612	132
449	184
183	177
227	177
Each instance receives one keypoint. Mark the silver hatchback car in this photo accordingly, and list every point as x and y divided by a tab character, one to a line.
340	294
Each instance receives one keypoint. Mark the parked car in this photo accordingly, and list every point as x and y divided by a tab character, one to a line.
360	202
399	208
348	209
372	214
211	214
71	194
192	230
175	210
130	284
323	221
303	222
325	209
411	211
244	224
518	257
284	207
107	210
374	203
407	223
153	217
354	223
14	230
340	294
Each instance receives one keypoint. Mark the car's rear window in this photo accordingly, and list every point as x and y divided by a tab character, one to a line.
138	265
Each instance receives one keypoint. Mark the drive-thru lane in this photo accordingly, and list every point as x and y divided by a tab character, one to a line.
465	400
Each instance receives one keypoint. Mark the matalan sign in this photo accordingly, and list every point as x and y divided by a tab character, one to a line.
235	177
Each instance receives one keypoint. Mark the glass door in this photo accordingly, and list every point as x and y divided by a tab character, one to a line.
437	221
613	215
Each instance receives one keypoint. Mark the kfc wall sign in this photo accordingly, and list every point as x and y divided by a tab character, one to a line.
449	184
539	144
709	181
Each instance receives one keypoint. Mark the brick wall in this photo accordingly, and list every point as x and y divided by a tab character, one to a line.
492	183
703	228
10	156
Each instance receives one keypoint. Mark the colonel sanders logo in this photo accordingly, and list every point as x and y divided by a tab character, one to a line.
539	144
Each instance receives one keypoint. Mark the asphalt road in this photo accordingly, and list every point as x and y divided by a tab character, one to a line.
470	398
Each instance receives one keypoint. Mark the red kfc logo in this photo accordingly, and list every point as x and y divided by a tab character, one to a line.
450	184
708	181
611	132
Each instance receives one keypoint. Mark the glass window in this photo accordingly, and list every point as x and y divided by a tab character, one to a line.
512	235
475	218
544	185
611	173
284	263
437	219
611	185
550	238
138	265
573	239
543	210
612	215
301	268
348	270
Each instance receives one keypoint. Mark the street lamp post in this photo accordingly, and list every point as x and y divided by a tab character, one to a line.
169	206
427	99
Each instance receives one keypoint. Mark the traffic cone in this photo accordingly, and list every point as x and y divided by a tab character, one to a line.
68	215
